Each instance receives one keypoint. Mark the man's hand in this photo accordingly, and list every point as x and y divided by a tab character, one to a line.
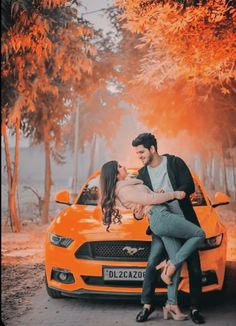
179	194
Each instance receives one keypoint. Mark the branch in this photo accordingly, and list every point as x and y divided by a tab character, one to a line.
34	191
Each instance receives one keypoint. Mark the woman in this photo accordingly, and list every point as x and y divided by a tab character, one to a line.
119	192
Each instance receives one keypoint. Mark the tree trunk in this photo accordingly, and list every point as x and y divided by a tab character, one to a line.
231	153
224	172
92	155
217	173
47	176
12	175
211	172
234	176
204	170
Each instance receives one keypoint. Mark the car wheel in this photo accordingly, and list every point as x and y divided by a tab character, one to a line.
52	293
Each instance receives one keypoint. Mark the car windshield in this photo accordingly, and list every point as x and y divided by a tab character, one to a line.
90	194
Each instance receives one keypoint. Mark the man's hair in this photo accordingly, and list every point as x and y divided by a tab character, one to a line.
145	139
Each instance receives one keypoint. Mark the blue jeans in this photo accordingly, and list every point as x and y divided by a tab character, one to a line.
151	274
169	228
167	225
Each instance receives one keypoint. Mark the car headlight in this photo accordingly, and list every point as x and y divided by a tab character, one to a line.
60	241
212	242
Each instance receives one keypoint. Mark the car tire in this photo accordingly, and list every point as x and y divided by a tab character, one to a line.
52	293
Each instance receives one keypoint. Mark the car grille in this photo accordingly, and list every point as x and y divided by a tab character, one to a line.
115	250
98	281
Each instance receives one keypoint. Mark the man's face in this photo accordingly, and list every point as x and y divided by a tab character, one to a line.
144	154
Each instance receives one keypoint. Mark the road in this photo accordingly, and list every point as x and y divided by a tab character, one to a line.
219	309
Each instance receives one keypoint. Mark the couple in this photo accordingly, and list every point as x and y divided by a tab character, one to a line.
161	193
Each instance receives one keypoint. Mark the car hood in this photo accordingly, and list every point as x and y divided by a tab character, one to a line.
86	222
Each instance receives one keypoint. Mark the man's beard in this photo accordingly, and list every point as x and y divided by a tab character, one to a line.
149	160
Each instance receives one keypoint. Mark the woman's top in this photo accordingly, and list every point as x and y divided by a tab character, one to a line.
132	194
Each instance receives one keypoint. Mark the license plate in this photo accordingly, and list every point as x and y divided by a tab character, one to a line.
123	274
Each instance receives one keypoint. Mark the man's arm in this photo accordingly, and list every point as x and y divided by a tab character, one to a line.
184	177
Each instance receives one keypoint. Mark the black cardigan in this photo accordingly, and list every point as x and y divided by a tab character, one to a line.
181	179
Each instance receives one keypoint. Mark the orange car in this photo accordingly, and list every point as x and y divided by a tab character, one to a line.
83	259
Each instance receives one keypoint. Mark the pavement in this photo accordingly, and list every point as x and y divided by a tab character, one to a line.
219	309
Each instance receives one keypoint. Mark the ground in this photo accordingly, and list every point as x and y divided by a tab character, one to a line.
23	267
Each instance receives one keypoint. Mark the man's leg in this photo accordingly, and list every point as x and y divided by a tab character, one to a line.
149	284
156	255
195	279
195	284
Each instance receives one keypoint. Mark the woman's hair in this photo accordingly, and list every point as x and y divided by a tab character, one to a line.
108	180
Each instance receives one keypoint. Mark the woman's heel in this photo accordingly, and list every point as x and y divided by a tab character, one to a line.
165	313
162	265
173	312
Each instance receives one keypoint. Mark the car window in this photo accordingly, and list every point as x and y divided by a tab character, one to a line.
90	194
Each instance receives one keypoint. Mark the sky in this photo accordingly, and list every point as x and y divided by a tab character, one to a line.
97	18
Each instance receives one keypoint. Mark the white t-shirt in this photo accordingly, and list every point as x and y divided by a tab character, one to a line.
160	180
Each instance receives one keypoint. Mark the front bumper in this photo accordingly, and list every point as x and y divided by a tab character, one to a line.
88	276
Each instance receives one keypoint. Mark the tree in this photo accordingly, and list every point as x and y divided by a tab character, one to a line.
188	60
99	109
177	35
17	21
46	52
186	78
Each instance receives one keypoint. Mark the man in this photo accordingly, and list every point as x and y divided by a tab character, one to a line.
167	173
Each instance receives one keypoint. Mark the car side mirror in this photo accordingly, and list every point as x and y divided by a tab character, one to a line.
63	197
221	199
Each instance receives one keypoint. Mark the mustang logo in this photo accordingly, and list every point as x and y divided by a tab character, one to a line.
131	251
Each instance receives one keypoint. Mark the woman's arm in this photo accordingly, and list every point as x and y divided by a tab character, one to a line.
138	196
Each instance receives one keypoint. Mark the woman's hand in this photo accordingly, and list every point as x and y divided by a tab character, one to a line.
179	194
160	191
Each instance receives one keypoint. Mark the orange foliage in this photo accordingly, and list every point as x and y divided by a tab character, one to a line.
41	52
197	43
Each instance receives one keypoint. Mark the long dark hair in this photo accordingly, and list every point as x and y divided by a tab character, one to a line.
108	180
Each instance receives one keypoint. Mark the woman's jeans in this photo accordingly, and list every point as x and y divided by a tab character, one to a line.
167	225
169	228
157	254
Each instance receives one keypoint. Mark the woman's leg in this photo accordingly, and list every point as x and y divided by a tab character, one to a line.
172	246
171	307
166	224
